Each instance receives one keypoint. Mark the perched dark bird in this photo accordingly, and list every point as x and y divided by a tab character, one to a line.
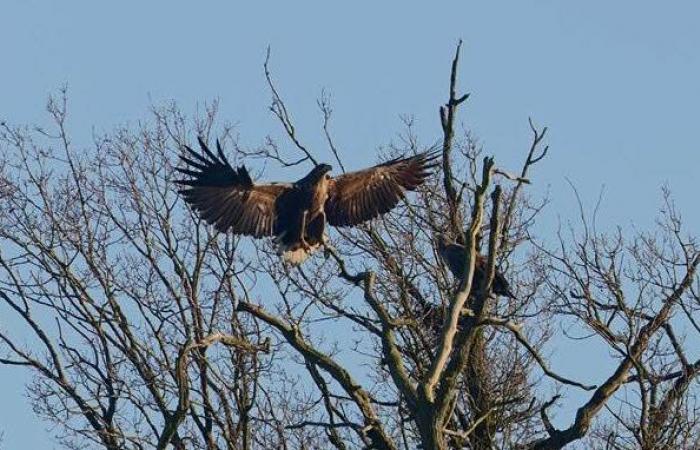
455	257
295	214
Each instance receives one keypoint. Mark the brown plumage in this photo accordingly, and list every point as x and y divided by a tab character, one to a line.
455	258
359	196
295	214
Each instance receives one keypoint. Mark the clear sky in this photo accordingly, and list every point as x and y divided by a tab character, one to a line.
616	82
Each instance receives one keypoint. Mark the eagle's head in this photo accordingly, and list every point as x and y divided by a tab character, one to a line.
323	168
317	174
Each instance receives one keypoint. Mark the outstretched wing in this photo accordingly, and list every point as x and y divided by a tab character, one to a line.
359	196
226	197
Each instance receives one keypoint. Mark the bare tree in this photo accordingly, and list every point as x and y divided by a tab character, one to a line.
121	296
145	329
639	295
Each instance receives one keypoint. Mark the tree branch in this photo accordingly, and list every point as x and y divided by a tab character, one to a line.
587	412
448	113
449	328
362	399
280	110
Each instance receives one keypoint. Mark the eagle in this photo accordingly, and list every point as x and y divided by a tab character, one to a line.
294	214
455	258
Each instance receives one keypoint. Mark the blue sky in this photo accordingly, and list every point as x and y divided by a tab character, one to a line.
616	82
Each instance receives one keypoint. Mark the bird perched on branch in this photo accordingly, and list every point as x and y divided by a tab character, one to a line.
295	214
455	257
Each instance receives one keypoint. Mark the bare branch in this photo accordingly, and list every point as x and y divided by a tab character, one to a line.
279	109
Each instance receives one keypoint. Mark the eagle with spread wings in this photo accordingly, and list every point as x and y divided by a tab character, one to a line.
295	214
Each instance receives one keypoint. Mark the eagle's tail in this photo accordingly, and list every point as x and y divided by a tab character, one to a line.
298	255
294	253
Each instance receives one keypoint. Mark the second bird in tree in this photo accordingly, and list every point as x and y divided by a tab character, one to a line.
455	257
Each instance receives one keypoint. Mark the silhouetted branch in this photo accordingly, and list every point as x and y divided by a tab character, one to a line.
516	329
280	110
176	417
448	113
324	104
373	428
586	413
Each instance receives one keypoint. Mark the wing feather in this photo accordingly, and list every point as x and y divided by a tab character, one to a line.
226	197
363	195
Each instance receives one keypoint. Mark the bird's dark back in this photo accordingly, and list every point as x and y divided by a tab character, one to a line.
456	259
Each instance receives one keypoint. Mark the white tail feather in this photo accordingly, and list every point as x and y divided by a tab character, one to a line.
296	257
293	254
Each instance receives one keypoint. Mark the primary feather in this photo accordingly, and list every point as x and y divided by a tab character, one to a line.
226	197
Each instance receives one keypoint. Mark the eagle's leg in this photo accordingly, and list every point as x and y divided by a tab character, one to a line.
314	230
302	232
